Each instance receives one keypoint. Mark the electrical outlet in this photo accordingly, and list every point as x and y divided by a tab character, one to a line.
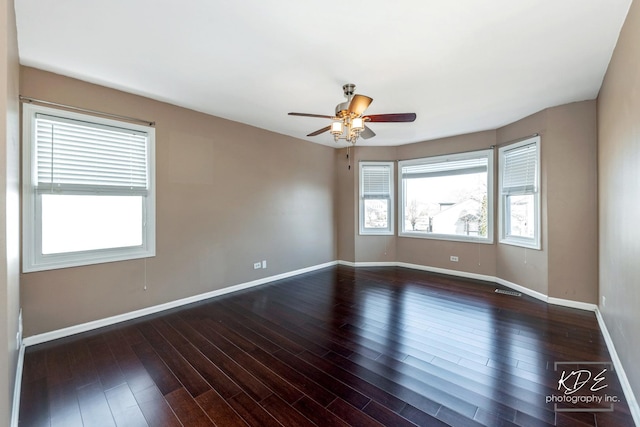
453	258
604	300
257	265
264	263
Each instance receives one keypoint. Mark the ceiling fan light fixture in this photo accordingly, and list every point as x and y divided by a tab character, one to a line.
357	124
336	128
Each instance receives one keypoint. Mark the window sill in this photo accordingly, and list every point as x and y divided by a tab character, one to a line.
522	243
376	233
54	262
445	237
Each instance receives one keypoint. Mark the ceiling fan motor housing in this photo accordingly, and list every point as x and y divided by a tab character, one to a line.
342	109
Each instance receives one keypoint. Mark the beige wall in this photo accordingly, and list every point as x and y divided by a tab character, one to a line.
566	267
371	248
9	207
345	196
618	201
228	195
522	266
572	201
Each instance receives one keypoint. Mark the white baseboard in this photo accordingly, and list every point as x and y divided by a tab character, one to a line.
17	389
572	304
84	327
522	289
634	408
369	263
438	270
484	277
418	267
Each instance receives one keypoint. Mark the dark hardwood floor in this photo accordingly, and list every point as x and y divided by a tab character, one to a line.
336	347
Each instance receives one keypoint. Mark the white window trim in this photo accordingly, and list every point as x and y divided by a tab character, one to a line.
32	257
525	242
438	159
391	221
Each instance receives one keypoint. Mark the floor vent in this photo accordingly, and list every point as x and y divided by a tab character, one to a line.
512	293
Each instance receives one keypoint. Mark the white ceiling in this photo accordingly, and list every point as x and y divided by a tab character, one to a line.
461	66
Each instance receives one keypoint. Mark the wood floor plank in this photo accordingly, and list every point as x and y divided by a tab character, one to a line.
94	407
318	414
57	362
159	372
251	338
187	409
124	407
502	402
429	403
309	387
421	418
338	342
385	416
63	405
334	347
183	371
34	403
219	410
231	368
325	379
105	363
284	413
289	340
216	378
155	408
84	370
368	389
252	412
352	415
135	374
273	381
35	365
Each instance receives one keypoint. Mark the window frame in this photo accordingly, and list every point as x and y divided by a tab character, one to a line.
389	231
32	257
489	154
503	205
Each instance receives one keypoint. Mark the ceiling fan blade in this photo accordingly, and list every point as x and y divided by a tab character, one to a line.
396	117
319	131
367	133
359	103
320	116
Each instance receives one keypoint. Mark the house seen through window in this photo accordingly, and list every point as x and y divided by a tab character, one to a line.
447	197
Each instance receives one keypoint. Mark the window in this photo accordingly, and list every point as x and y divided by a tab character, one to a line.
448	197
519	193
376	198
88	189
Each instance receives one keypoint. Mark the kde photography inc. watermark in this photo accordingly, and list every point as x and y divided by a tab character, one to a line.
583	387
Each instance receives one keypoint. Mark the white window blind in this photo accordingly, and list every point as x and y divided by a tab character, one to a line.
445	168
75	156
376	181
520	170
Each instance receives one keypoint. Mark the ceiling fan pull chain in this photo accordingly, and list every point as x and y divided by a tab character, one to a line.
349	156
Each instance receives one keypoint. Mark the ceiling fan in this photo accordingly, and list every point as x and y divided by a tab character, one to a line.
349	121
